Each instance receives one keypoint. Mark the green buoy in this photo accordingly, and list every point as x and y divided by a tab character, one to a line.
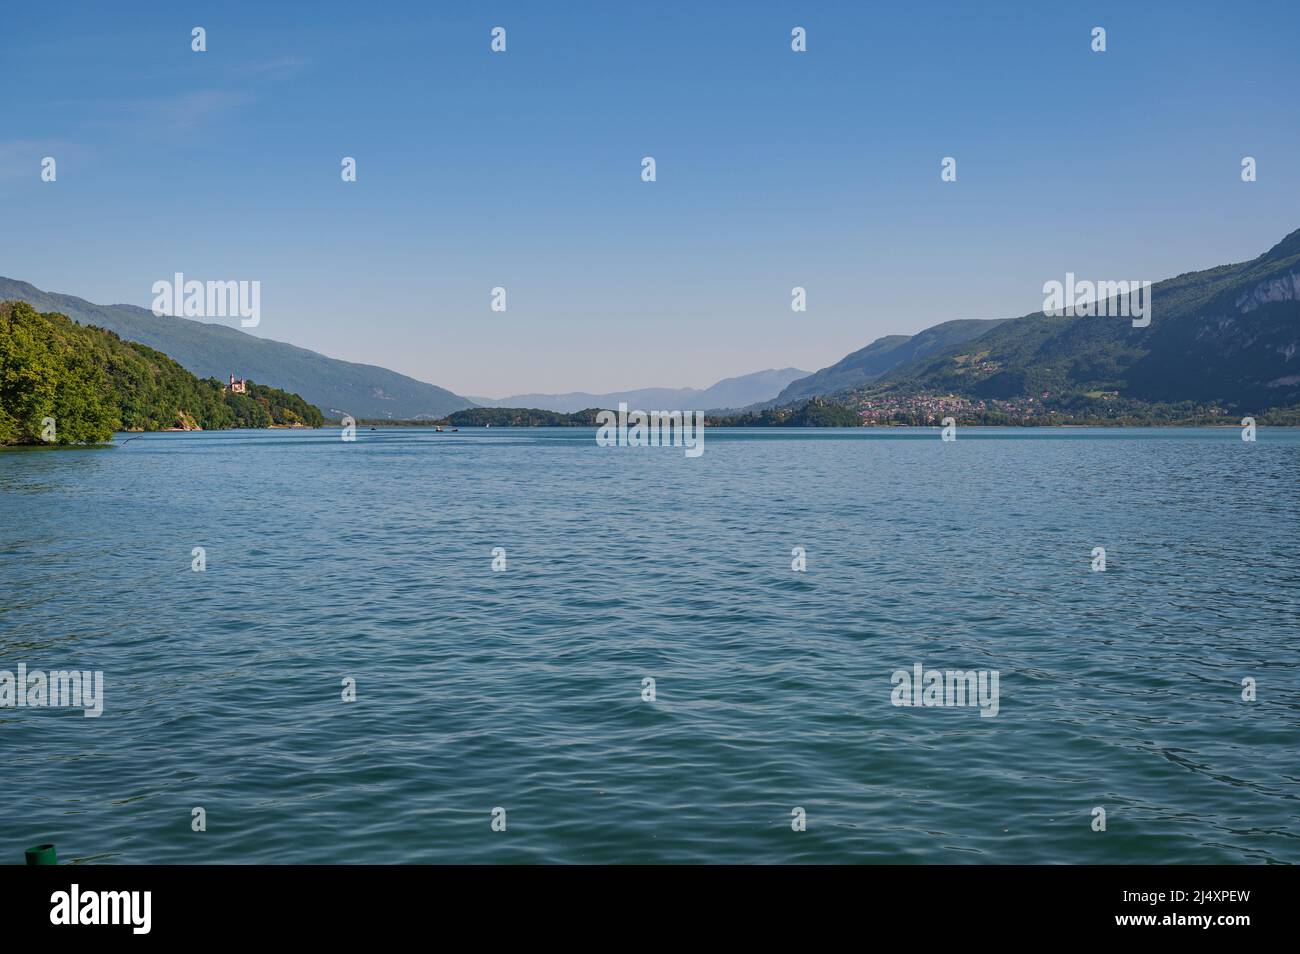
41	855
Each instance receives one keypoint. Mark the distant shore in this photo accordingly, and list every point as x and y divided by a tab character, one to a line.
337	425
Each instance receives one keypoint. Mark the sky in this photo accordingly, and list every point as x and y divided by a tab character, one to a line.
522	169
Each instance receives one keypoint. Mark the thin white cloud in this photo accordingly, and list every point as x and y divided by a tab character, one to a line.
185	110
274	68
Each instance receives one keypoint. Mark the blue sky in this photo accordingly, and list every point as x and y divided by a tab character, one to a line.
522	169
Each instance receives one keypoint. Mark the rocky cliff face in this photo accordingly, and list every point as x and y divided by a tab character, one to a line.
1286	288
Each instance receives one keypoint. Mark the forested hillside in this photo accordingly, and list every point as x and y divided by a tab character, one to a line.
90	383
205	349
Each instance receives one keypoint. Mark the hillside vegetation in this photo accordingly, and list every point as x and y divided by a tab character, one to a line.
522	417
882	356
814	413
92	383
206	350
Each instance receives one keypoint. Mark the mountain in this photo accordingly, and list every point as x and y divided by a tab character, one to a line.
745	390
882	356
208	350
728	393
1229	334
61	382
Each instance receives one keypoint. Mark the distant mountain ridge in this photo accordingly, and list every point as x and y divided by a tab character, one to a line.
741	391
1229	334
882	356
208	350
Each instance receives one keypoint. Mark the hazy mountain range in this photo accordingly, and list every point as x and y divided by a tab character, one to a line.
728	393
1229	334
345	387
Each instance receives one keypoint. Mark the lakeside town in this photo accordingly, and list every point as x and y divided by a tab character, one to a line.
890	408
1046	408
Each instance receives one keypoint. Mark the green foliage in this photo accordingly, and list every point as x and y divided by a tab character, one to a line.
92	383
814	413
521	417
265	406
44	375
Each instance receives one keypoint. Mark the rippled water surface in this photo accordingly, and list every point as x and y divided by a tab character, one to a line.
522	689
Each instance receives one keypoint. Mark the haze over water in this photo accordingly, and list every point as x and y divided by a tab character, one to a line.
522	689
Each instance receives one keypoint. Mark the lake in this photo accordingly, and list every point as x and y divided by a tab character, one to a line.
525	687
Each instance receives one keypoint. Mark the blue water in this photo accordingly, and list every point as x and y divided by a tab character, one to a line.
522	689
